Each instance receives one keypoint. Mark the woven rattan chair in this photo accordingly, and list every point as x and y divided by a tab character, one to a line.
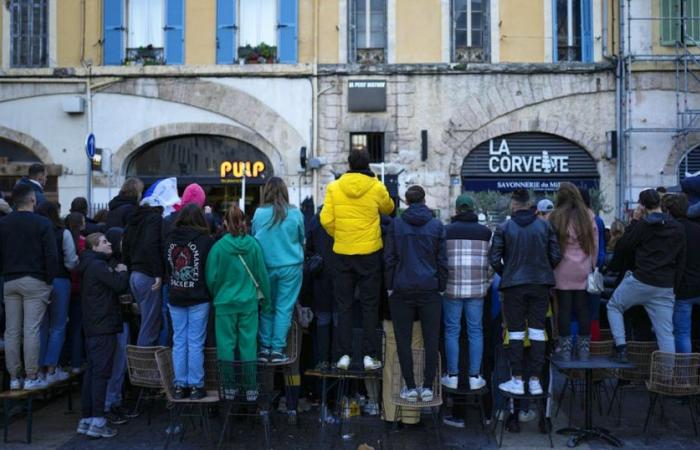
673	375
639	354
418	372
182	407
211	370
293	345
143	373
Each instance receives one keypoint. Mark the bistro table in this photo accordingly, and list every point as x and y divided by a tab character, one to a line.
589	432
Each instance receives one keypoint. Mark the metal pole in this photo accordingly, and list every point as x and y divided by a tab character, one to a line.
90	128
243	193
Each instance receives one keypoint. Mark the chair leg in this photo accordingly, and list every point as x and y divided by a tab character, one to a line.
30	418
482	413
139	399
397	417
224	429
436	420
6	405
692	415
572	400
561	397
266	426
614	395
650	411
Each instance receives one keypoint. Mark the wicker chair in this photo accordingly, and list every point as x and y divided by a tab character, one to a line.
399	383
293	345
143	373
673	375
211	370
164	360
639	354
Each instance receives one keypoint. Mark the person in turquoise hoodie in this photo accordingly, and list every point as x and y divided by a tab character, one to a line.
279	228
235	293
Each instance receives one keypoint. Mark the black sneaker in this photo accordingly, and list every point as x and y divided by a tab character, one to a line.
120	410
179	393
621	354
197	393
115	419
278	357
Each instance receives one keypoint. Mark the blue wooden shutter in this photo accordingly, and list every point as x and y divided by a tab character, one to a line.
586	31
287	31
113	29
174	31
226	31
670	26
555	37
692	26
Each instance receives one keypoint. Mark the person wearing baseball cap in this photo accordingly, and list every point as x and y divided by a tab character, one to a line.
544	208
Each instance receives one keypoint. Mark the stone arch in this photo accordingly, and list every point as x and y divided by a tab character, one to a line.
32	144
129	148
677	153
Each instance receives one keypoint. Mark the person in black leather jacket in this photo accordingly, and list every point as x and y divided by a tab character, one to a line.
524	252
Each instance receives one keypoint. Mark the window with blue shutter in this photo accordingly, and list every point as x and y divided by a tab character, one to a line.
587	30
174	31
113	29
287	31
573	30
226	31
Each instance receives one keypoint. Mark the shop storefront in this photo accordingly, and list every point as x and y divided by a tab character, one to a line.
223	166
15	160
533	161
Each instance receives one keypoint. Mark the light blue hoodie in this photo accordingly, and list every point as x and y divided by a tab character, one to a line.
283	243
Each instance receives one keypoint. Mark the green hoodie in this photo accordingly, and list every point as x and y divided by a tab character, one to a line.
227	279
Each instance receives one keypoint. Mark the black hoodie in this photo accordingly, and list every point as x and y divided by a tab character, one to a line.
100	287
142	249
121	208
525	250
186	251
658	245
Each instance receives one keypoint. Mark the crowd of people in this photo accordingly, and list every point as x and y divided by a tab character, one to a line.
235	283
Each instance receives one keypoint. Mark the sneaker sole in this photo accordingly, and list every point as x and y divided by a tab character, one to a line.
540	392
97	435
511	392
412	399
427	399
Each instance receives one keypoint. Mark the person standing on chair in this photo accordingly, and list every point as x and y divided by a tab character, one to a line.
468	245
351	216
657	244
524	252
279	228
416	276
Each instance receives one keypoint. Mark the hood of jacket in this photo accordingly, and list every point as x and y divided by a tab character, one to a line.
35	185
467	216
183	235
114	236
87	257
355	184
524	217
121	200
417	215
236	245
657	219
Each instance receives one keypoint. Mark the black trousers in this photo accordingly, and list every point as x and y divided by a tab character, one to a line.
578	302
100	353
363	272
403	312
525	306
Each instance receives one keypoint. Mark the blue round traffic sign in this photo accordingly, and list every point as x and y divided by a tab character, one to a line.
90	145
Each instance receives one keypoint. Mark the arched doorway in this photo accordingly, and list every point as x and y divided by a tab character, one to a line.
690	164
15	160
218	163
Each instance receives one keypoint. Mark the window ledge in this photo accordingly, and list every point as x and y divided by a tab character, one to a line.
455	68
266	70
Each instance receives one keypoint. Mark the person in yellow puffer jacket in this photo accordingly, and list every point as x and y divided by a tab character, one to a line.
351	216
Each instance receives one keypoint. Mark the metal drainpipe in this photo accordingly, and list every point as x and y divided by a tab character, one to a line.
619	98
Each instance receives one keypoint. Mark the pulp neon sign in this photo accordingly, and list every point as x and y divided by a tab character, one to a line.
237	169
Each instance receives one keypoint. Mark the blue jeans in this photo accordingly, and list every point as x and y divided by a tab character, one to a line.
53	326
113	396
452	317
682	315
164	336
189	333
149	302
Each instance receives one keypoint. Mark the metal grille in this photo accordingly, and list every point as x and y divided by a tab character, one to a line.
690	164
372	142
28	33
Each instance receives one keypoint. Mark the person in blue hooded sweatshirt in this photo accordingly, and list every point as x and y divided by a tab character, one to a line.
416	273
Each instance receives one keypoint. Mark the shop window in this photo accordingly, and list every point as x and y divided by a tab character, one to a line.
28	33
367	31
469	26
372	142
676	14
573	30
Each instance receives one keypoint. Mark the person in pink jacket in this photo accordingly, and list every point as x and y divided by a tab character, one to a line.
577	233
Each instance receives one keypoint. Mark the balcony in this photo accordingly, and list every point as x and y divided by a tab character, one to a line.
145	56
470	54
370	56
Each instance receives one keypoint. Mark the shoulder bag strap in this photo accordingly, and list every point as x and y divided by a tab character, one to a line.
250	274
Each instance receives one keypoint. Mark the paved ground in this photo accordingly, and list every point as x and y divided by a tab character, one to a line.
55	429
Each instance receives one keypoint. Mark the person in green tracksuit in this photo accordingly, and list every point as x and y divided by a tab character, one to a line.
235	295
279	228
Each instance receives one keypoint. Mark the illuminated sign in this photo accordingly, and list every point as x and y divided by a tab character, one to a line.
502	161
238	169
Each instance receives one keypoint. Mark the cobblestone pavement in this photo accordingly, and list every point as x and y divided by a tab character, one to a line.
53	429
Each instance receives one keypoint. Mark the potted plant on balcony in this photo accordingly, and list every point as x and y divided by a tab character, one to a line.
260	54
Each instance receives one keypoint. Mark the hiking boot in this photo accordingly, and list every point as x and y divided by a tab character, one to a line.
565	348
179	393
197	393
583	347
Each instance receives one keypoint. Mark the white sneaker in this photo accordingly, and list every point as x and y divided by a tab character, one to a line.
514	386
527	416
251	395
410	395
534	387
449	382
58	375
33	385
83	426
372	408
426	394
343	363
16	384
476	383
371	363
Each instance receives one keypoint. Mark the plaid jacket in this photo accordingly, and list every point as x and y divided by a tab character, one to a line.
468	245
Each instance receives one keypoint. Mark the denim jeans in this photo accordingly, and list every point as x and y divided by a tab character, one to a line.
658	303
53	326
166	328
149	302
189	333
682	315
115	384
452	317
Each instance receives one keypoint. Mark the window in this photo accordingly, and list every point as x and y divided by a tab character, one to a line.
145	31
573	30
258	30
673	13
372	142
367	31
29	33
469	30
